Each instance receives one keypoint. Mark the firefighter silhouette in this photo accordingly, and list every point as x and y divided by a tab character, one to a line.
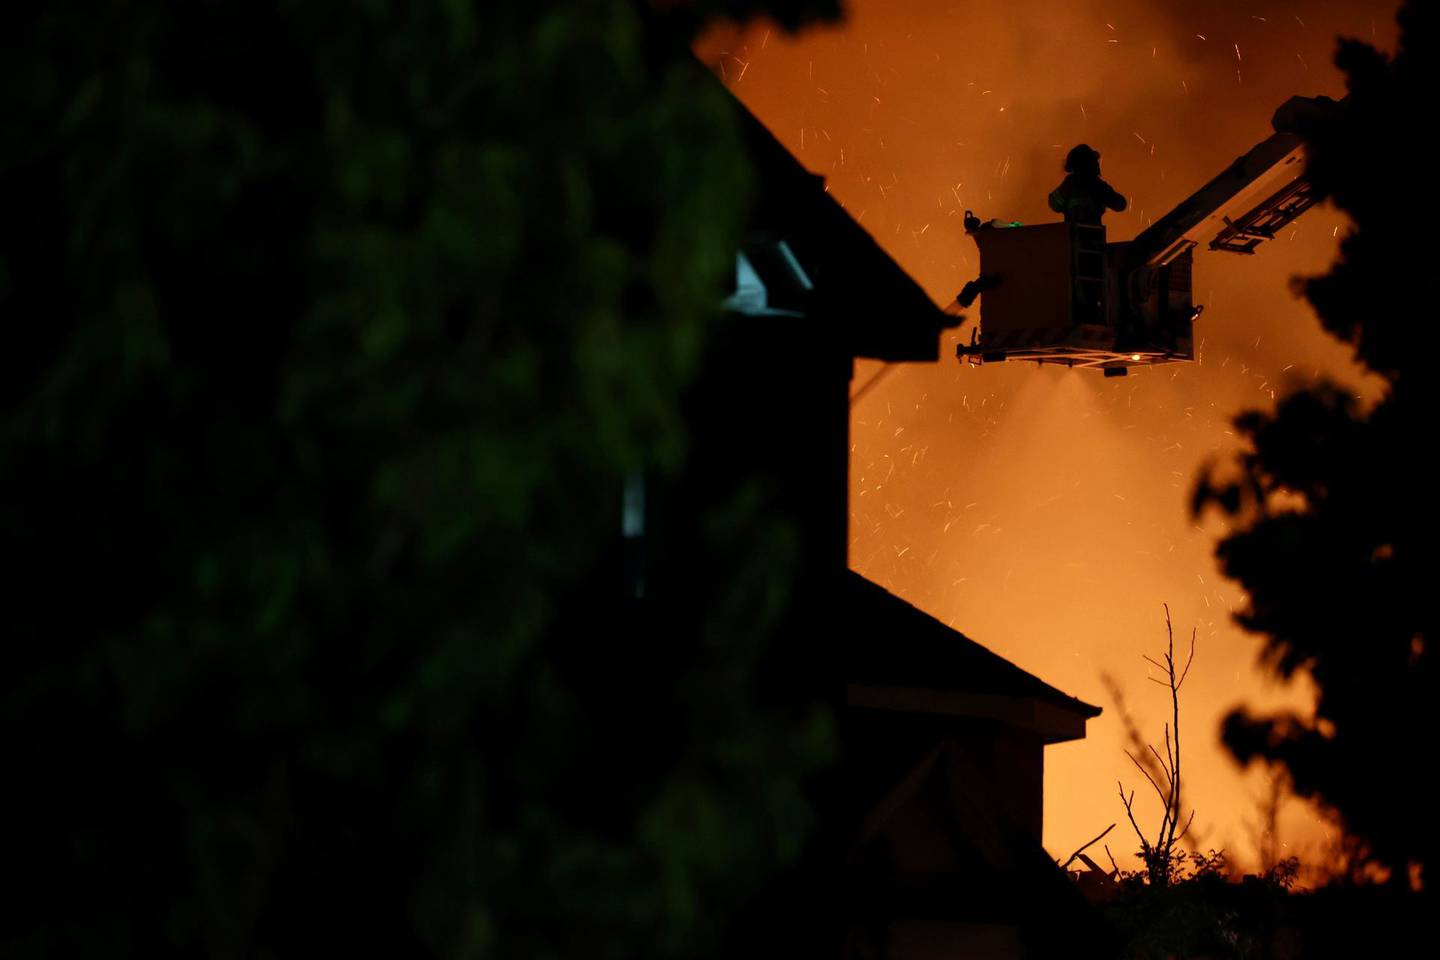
1082	196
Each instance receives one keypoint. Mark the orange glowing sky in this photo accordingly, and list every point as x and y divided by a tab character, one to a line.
1042	511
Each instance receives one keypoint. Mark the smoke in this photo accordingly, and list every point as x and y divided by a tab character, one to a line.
1041	511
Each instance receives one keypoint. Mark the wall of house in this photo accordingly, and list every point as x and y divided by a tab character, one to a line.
1014	760
945	859
881	747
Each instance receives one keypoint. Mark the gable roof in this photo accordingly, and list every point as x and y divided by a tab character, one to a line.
877	308
899	657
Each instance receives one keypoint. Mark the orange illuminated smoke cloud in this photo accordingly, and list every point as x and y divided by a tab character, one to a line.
1043	511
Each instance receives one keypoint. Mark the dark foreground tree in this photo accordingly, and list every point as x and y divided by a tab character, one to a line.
1335	503
332	331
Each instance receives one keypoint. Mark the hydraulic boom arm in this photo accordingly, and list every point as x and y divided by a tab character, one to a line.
1257	195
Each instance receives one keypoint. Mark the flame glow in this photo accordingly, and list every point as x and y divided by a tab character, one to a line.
1042	511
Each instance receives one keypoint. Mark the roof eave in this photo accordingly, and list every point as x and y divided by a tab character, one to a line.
1051	722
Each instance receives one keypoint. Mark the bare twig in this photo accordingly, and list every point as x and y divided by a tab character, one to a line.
1161	760
1175	757
1159	855
1158	792
1187	826
1130	812
1087	846
1186	672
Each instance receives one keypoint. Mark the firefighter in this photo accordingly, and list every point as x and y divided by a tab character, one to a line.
1082	196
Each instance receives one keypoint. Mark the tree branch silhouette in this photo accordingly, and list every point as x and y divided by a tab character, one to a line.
1159	854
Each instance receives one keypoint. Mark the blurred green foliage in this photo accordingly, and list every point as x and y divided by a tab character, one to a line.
1335	503
333	330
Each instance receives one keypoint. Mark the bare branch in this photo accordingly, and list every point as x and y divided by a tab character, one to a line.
1186	672
1159	856
1087	846
1187	827
1167	839
1161	760
1129	812
1158	792
1112	861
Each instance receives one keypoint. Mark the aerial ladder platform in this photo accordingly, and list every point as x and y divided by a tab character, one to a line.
1060	293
